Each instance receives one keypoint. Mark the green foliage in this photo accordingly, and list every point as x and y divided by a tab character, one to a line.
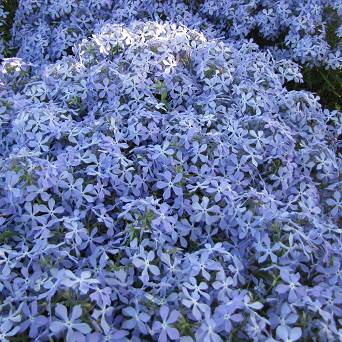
6	235
162	93
331	16
184	326
10	6
327	84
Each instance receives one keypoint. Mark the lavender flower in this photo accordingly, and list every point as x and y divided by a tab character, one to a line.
71	324
164	327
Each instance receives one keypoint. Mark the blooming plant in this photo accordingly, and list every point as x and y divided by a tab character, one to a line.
307	31
3	16
158	183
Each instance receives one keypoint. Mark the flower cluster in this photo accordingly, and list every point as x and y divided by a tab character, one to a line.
160	185
47	30
3	16
307	31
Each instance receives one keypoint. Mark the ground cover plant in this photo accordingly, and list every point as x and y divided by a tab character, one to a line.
165	179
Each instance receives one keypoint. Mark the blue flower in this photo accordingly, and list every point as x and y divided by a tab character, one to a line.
71	324
207	330
169	184
153	156
287	334
164	327
202	211
137	319
144	261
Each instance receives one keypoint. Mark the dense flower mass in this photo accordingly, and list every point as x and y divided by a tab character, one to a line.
3	16
47	30
307	31
159	182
